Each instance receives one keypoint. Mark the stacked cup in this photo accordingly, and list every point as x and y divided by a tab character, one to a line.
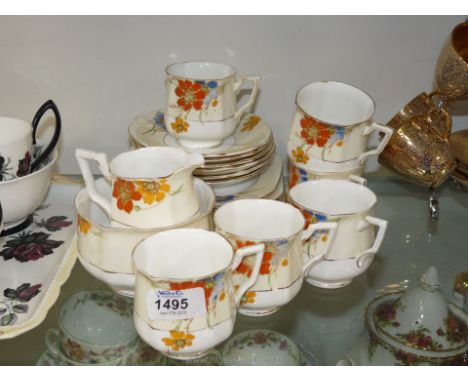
351	206
330	131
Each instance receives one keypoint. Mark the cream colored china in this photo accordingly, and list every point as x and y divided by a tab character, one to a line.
151	187
238	166
333	122
416	327
18	143
105	250
280	227
21	196
266	184
251	135
201	105
185	305
298	174
351	205
333	274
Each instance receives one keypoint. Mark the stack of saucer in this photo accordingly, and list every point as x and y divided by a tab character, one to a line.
459	148
244	165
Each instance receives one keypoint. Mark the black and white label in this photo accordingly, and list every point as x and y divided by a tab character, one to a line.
176	304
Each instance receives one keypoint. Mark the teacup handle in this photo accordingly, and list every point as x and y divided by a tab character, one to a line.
253	96
53	142
387	134
52	338
307	233
83	157
256	249
365	257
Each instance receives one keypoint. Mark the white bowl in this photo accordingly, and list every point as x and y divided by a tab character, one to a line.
21	196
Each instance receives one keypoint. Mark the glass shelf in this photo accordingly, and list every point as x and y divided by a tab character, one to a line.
326	323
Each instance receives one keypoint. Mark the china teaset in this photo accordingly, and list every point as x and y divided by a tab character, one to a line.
193	223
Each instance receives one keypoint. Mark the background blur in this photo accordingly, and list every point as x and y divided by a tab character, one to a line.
103	71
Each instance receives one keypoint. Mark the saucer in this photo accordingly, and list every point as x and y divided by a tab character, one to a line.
142	355
248	138
264	185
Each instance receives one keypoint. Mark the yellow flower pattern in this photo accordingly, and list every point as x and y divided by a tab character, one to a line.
153	191
178	340
180	126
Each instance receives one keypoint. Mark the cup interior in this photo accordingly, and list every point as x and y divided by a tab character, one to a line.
183	254
335	103
332	197
12	129
201	70
98	317
149	163
460	40
259	219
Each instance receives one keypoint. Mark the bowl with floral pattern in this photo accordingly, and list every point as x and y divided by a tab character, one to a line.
21	196
96	326
260	348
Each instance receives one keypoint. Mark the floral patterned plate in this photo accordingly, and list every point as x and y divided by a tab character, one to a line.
35	262
143	355
250	136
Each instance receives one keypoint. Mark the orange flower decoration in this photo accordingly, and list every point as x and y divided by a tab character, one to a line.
83	225
250	123
285	262
125	193
315	132
207	287
245	266
178	340
293	176
248	298
153	191
180	126
300	156
191	95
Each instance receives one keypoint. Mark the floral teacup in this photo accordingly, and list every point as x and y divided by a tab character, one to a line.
349	204
332	123
96	326
280	227
151	187
202	102
185	300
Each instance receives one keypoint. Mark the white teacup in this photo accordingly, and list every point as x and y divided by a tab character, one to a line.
201	105
332	123
151	187
18	140
185	300
351	206
280	227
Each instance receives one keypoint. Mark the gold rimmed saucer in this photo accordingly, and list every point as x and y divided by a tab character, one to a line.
234	168
250	137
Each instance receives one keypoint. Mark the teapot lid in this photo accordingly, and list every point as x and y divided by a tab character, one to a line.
422	318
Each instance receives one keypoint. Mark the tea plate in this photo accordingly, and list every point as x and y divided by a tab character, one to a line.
266	184
35	262
251	135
